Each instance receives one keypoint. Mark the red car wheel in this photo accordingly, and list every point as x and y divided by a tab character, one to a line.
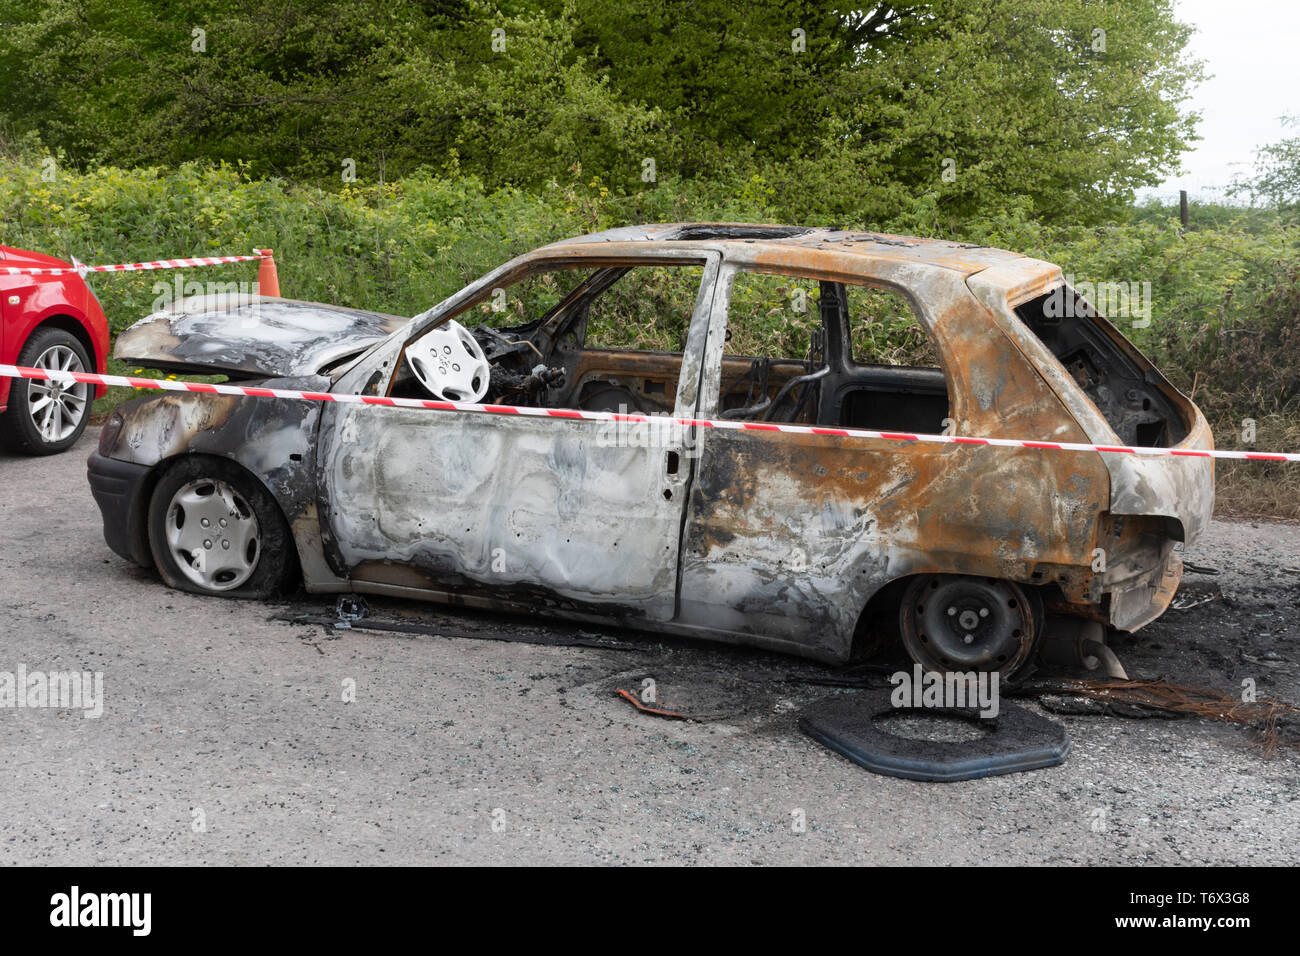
43	417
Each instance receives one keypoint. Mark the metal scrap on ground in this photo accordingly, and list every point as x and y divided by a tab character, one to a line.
1275	722
646	709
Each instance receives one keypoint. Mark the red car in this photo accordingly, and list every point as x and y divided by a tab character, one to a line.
54	322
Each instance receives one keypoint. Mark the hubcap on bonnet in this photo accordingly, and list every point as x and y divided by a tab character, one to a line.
956	623
213	534
57	408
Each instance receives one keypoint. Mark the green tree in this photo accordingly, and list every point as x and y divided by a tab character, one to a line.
1070	104
937	110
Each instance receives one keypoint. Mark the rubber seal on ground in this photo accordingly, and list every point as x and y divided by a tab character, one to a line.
850	724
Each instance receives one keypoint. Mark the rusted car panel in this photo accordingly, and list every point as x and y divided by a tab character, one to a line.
252	336
1168	501
782	540
576	522
585	524
789	536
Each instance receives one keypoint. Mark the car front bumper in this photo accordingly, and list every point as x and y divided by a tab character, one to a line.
121	490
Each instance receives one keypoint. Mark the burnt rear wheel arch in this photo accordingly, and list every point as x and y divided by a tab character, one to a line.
879	634
277	568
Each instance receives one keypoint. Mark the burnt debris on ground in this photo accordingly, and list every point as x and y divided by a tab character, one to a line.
1230	637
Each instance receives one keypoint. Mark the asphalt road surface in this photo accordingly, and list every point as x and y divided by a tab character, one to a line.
225	736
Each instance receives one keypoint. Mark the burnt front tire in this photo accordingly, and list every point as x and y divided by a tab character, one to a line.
44	417
955	623
215	530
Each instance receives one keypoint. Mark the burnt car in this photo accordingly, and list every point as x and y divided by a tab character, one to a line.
813	542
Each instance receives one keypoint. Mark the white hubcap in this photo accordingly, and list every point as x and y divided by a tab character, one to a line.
213	534
57	408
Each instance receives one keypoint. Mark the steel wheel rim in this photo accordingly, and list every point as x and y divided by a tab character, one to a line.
960	624
213	534
57	409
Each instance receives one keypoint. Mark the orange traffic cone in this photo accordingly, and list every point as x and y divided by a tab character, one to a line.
268	280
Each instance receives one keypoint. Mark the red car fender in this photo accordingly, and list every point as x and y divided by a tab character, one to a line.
29	301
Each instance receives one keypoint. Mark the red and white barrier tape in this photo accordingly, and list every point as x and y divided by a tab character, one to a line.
15	371
81	269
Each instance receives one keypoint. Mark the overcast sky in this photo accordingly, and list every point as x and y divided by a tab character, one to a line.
1251	50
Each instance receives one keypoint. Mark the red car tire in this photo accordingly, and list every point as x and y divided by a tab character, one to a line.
45	418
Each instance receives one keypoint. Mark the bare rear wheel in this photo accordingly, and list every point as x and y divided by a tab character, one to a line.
958	623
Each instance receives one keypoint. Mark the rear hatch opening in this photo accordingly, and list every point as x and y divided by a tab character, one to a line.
1134	398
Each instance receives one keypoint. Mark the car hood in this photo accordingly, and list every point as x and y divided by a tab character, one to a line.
252	336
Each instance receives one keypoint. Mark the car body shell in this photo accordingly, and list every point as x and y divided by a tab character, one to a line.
29	302
775	539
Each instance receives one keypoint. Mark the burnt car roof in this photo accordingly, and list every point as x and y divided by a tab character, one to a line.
807	243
